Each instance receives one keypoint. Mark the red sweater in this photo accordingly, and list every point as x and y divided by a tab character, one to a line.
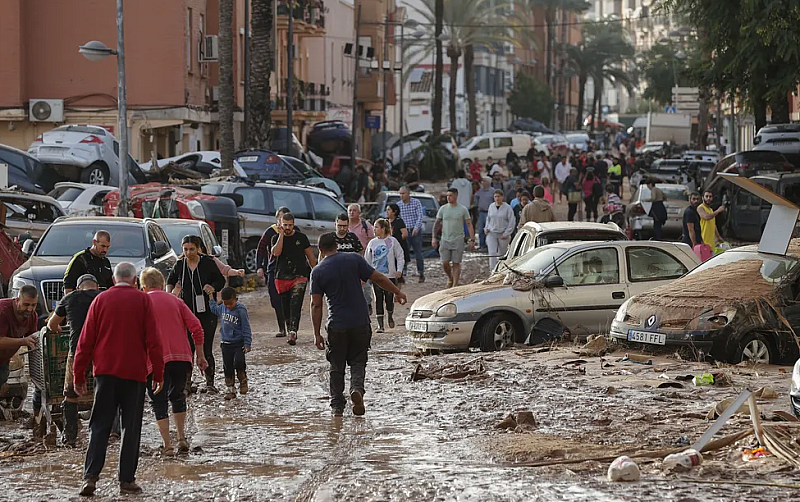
118	335
174	318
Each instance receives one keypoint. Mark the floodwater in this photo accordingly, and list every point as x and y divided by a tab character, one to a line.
431	440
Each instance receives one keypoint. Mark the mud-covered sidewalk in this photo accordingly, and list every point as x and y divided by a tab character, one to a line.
432	439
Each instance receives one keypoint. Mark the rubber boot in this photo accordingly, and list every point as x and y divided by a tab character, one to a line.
69	412
210	382
242	375
380	324
231	390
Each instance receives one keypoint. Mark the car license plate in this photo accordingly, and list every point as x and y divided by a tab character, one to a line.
419	326
673	210
647	337
52	150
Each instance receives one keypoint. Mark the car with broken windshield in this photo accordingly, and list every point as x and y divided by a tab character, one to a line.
576	284
740	305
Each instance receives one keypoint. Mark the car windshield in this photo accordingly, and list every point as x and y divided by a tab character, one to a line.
791	191
536	260
66	194
76	128
176	233
545	238
762	156
660	166
671	192
65	240
774	268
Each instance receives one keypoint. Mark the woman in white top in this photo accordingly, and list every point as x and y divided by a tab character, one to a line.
385	255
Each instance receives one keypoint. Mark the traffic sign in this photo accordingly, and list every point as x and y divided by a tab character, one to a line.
670	109
372	122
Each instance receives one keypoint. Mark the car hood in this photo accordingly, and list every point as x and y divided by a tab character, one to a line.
721	290
472	296
53	267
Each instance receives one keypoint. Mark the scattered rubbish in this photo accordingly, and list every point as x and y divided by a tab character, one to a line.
449	371
623	469
575	362
663	376
602	421
507	423
756	453
672	385
683	461
702	380
610	391
684	378
783	416
765	393
523	421
634	358
682	441
723	405
597	346
722	378
526	418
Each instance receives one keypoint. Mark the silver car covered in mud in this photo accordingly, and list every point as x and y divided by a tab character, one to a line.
578	284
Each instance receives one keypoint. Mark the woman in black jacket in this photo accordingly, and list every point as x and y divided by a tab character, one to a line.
193	278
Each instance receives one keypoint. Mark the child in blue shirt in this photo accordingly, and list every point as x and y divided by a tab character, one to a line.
236	339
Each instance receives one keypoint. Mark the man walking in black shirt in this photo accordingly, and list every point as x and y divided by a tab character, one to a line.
91	260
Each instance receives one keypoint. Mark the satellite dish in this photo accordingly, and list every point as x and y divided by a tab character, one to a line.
41	110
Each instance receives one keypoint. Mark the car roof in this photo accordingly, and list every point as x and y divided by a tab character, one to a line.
666	185
413	194
272	184
85	186
581	245
27	195
100	220
776	176
181	221
555	226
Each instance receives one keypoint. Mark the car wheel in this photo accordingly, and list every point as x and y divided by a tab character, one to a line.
755	349
497	333
251	254
96	174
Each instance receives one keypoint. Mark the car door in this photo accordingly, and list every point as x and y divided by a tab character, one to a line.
500	146
481	150
167	261
299	203
592	293
649	267
746	215
325	212
429	208
256	212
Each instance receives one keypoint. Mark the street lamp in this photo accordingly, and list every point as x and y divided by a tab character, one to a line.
97	51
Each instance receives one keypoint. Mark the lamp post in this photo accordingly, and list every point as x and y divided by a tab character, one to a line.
97	51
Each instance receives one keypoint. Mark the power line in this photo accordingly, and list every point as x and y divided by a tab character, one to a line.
544	25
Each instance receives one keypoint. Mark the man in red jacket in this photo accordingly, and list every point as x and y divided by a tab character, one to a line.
118	336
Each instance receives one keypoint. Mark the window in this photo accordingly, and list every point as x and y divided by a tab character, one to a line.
152	235
325	208
98	199
208	238
66	194
482	144
742	198
35	211
254	200
595	266
127	241
428	205
502	142
295	201
189	44
518	244
203	68
12	158
650	264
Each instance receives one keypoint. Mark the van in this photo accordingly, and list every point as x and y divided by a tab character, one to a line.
494	145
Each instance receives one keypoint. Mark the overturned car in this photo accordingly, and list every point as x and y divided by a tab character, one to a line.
738	306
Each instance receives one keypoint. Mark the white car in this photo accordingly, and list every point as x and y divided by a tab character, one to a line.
494	145
203	162
84	153
574	284
579	140
80	199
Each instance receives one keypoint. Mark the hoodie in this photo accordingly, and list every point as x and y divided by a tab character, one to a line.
234	324
539	210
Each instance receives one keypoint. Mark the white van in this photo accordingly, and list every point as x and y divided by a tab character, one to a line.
494	145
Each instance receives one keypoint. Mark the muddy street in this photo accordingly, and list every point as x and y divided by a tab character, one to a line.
432	439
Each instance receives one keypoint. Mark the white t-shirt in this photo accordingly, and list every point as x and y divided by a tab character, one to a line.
464	188
562	171
496	169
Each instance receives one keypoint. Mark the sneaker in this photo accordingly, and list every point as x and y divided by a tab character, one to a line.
390	320
183	446
358	403
89	487
230	394
379	330
243	388
292	338
280	334
129	487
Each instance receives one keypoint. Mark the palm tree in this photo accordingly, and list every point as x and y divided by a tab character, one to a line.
226	103
439	71
261	60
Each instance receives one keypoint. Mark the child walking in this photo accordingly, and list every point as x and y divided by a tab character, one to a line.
385	254
236	339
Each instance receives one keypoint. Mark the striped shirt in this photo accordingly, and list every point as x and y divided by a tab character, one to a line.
411	213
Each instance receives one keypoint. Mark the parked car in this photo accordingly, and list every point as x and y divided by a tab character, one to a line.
746	216
207	163
747	164
783	138
28	214
264	165
494	145
177	228
329	137
84	153
556	144
16	389
533	235
141	242
701	155
577	284
314	209
794	390
430	205
638	210
80	199
738	306
580	140
22	169
11	258
670	171
652	148
313	177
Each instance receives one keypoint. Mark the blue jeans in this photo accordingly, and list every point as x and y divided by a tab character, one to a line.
481	225
415	242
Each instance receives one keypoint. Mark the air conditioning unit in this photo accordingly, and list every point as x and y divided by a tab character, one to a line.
209	49
46	110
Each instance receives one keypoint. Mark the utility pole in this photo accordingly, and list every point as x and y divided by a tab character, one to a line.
246	69
122	113
402	92
356	119
385	70
290	83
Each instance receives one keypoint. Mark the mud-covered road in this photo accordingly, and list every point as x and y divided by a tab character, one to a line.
426	440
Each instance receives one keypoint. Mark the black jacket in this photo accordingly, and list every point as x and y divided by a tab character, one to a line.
192	283
85	262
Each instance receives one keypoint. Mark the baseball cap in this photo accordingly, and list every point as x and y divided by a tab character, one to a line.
86	277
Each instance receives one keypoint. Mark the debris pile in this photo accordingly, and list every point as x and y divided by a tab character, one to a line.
453	371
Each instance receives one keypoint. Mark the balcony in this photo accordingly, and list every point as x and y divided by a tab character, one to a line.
308	97
308	16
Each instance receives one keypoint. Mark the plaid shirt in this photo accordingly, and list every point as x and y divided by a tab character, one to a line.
411	213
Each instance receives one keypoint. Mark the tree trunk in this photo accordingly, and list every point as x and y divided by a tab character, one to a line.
262	60
226	103
779	106
562	110
702	119
549	56
454	56
759	111
595	105
439	71
581	98
469	85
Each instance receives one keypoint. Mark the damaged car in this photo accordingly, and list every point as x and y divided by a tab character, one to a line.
740	305
580	285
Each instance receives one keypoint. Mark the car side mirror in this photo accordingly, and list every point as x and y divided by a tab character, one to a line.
27	247
160	248
217	251
430	213
554	281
